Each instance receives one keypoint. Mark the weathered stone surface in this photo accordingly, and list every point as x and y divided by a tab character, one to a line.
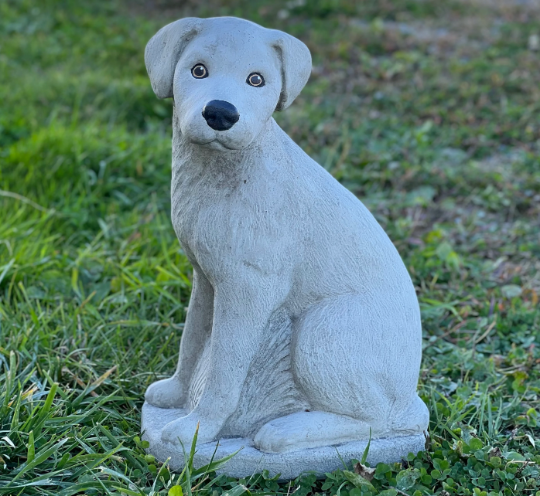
303	330
249	460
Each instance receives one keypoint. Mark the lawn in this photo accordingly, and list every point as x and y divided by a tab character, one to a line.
427	110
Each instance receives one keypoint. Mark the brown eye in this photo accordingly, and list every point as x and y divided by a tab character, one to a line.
199	71
255	79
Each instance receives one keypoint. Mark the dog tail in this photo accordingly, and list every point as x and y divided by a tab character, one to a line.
413	419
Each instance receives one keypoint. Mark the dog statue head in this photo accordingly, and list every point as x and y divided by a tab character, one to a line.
226	75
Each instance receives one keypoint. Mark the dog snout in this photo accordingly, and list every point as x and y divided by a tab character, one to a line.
220	115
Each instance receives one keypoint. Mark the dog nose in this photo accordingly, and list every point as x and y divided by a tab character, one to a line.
220	115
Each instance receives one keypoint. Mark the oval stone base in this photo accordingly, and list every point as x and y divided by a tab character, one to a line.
251	461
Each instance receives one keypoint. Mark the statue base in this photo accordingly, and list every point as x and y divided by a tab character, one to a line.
249	460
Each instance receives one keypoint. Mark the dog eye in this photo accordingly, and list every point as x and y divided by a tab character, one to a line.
199	72
255	79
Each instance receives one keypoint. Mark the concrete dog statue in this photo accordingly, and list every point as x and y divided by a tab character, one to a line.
303	328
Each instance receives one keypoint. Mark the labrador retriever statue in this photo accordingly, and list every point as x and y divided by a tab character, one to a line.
303	328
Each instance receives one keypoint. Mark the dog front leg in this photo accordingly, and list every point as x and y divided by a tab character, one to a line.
173	392
241	315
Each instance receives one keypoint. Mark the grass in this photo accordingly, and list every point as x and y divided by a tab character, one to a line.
427	110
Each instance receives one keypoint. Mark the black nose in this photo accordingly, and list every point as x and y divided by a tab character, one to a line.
220	115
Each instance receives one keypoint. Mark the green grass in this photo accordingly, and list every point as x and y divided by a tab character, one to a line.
429	111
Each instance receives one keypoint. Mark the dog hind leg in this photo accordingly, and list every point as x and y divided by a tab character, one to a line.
359	357
303	430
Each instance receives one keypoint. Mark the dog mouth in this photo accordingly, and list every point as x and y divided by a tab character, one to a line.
215	144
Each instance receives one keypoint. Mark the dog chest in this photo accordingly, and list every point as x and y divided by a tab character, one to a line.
222	227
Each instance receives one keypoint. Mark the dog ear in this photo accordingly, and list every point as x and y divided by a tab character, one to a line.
163	51
295	66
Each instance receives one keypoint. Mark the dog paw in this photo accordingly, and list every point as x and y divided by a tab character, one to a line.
165	394
303	430
182	430
272	439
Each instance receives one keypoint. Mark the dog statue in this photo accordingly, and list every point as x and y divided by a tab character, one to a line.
303	328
